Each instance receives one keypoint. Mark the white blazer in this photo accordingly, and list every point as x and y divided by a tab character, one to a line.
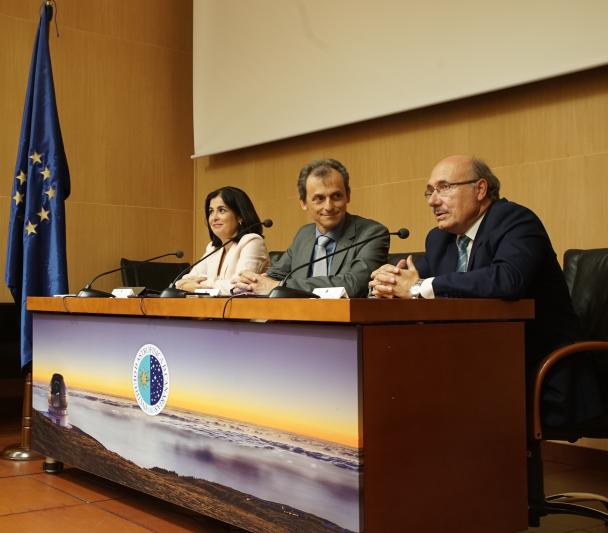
249	253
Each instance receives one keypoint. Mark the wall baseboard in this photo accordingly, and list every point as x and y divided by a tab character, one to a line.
575	455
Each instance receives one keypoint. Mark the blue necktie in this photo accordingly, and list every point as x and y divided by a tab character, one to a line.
320	267
462	242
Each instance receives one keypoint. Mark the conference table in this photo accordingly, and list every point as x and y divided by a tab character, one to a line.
293	414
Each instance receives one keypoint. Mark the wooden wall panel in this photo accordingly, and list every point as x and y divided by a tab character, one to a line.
163	23
568	194
134	149
123	78
127	231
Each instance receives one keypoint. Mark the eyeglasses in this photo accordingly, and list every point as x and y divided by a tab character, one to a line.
444	187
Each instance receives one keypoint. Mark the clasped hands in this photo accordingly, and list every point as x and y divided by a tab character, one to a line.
394	281
389	281
192	283
253	282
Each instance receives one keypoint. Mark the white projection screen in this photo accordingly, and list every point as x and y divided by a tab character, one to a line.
271	69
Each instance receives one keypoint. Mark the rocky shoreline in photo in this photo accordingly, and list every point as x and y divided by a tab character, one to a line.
72	446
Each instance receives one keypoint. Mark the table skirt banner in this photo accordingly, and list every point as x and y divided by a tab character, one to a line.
256	424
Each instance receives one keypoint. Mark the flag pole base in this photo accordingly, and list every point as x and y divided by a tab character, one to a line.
23	451
16	452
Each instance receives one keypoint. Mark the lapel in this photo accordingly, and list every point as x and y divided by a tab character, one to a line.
212	266
228	260
349	234
482	235
448	259
303	250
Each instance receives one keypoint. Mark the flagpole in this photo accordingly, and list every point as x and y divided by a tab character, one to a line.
37	222
23	451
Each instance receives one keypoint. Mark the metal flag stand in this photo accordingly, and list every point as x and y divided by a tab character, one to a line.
23	451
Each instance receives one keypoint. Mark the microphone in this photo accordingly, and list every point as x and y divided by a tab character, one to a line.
172	292
88	292
281	291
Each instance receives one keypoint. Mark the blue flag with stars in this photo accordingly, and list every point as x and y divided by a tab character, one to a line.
36	262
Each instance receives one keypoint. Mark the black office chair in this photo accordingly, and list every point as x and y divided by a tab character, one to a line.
586	273
275	255
154	276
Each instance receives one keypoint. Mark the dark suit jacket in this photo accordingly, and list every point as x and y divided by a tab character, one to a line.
351	269
512	257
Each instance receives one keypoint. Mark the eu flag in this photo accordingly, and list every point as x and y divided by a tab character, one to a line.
36	262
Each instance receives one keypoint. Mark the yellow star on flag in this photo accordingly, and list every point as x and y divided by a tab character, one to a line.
43	214
30	228
18	198
36	157
21	177
50	192
46	173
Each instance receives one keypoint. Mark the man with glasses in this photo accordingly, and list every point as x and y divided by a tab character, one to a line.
487	247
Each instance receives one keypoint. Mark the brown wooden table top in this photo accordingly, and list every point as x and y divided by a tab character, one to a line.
360	310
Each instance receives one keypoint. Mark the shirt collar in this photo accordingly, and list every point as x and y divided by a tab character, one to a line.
472	231
335	233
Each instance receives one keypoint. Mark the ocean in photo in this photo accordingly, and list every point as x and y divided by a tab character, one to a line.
317	477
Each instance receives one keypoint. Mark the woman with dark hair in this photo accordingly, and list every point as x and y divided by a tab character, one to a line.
229	211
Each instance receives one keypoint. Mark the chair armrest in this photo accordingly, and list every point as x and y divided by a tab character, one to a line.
546	364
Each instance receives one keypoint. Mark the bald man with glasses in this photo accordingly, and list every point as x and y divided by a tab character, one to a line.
488	247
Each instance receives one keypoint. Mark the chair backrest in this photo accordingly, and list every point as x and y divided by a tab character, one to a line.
275	255
152	275
586	273
394	258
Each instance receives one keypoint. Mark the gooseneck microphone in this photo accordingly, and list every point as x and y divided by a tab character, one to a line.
88	292
172	292
281	291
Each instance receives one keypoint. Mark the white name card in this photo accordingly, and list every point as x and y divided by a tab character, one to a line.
123	292
331	293
208	292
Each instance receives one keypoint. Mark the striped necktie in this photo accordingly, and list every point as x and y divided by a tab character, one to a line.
320	267
462	242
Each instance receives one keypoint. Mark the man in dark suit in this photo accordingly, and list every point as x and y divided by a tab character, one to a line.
486	247
324	191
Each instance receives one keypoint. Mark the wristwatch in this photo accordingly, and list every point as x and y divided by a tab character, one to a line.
415	290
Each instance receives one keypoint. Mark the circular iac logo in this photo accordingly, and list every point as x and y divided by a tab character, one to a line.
150	379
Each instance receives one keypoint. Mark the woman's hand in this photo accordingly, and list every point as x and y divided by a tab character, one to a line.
190	284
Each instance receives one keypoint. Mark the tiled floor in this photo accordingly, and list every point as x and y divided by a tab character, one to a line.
566	478
76	502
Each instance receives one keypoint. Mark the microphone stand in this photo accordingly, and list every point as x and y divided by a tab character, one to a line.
172	292
88	292
281	291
